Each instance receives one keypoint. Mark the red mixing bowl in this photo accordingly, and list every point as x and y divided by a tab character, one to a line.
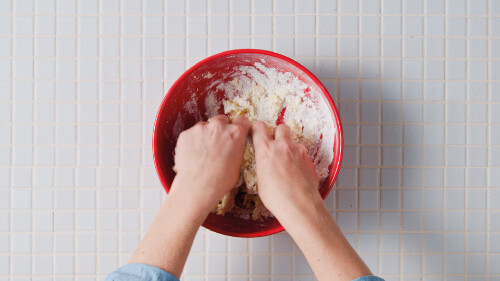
194	81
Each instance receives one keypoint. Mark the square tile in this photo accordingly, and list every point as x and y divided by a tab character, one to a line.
368	90
370	134
454	221
413	69
476	264
305	25
349	47
348	25
389	264
477	156
390	177
433	264
370	156
368	243
391	112
411	242
390	199
391	25
391	156
368	221
282	264
368	177
412	264
413	25
433	177
368	199
346	221
454	264
477	177
477	135
347	199
433	221
391	47
411	199
327	47
391	134
478	70
370	25
476	242
479	8
240	25
412	156
457	7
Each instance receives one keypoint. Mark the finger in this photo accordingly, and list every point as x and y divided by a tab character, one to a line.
260	134
243	123
283	132
201	123
219	118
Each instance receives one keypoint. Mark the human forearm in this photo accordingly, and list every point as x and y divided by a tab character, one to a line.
169	239
317	234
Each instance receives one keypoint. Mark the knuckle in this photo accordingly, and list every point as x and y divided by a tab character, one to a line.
284	146
301	148
217	124
237	131
182	136
283	127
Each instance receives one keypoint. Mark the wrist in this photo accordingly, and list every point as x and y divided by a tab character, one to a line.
196	195
308	206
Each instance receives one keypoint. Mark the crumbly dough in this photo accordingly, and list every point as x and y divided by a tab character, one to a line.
259	105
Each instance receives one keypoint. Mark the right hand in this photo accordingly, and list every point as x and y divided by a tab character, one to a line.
286	175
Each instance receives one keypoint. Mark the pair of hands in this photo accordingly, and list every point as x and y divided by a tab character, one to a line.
208	157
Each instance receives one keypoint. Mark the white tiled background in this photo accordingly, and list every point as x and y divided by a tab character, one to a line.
417	84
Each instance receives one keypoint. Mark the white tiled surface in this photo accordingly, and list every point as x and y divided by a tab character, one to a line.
417	84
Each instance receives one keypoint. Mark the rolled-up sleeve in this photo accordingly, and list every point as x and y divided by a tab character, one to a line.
140	272
369	278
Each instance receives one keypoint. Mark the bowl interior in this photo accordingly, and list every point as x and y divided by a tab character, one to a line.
173	118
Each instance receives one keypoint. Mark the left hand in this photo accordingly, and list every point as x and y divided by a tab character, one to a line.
208	158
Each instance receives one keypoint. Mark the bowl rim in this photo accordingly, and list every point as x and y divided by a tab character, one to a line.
324	91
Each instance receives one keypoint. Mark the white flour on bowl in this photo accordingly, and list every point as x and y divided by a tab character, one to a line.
265	94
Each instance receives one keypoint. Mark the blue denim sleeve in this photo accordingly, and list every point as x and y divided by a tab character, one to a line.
140	272
369	278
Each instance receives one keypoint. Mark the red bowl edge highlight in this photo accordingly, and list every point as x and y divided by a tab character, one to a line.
338	154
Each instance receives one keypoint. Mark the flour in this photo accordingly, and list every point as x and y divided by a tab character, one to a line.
262	93
265	94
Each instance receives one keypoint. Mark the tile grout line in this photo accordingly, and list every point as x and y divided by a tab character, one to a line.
143	89
56	97
119	193
359	131
230	12
247	14
209	30
99	136
33	154
12	152
205	234
78	149
252	21
467	130
337	92
402	116
443	241
424	108
488	141
379	192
